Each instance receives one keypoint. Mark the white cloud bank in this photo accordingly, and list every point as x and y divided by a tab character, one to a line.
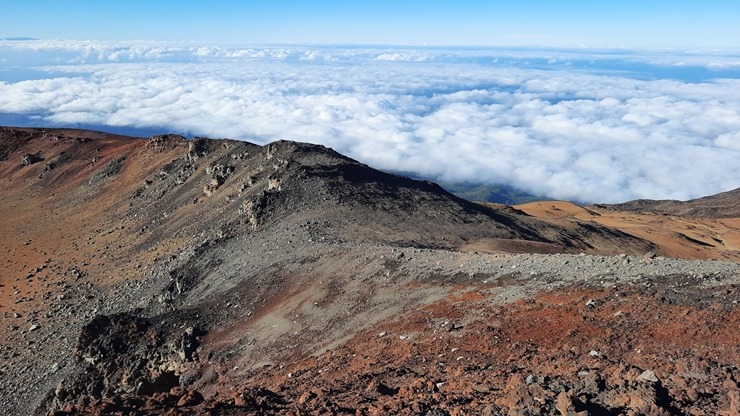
588	126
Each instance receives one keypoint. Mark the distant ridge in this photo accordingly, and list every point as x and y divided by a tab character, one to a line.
723	205
482	192
499	194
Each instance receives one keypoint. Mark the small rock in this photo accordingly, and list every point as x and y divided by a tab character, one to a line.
239	399
564	405
648	257
456	327
309	395
191	398
648	375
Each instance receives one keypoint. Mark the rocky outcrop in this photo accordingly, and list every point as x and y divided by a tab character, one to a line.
29	159
125	354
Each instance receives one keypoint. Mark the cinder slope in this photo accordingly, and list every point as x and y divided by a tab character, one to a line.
160	276
691	237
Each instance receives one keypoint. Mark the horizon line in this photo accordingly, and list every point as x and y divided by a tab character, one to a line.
232	43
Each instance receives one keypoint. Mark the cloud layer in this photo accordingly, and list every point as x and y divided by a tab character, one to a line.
602	126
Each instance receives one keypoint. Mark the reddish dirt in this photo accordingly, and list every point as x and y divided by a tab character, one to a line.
561	352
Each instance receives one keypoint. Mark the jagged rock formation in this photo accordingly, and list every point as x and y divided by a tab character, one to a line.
167	276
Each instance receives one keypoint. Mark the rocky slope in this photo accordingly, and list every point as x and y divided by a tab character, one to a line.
715	236
166	276
723	205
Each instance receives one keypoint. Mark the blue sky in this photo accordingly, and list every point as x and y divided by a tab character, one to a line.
626	23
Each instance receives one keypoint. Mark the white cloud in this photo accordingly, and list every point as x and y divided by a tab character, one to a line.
558	129
729	140
412	56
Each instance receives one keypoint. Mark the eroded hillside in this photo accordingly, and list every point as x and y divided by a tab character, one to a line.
167	276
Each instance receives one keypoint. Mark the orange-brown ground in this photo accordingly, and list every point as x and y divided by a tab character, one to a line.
684	237
629	350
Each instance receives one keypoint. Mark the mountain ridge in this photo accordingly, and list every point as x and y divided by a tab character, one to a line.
351	183
168	276
722	205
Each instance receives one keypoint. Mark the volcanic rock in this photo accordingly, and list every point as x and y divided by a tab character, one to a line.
268	295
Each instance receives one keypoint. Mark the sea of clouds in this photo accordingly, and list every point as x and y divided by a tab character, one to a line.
585	125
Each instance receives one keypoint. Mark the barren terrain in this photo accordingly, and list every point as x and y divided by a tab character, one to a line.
713	236
167	276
